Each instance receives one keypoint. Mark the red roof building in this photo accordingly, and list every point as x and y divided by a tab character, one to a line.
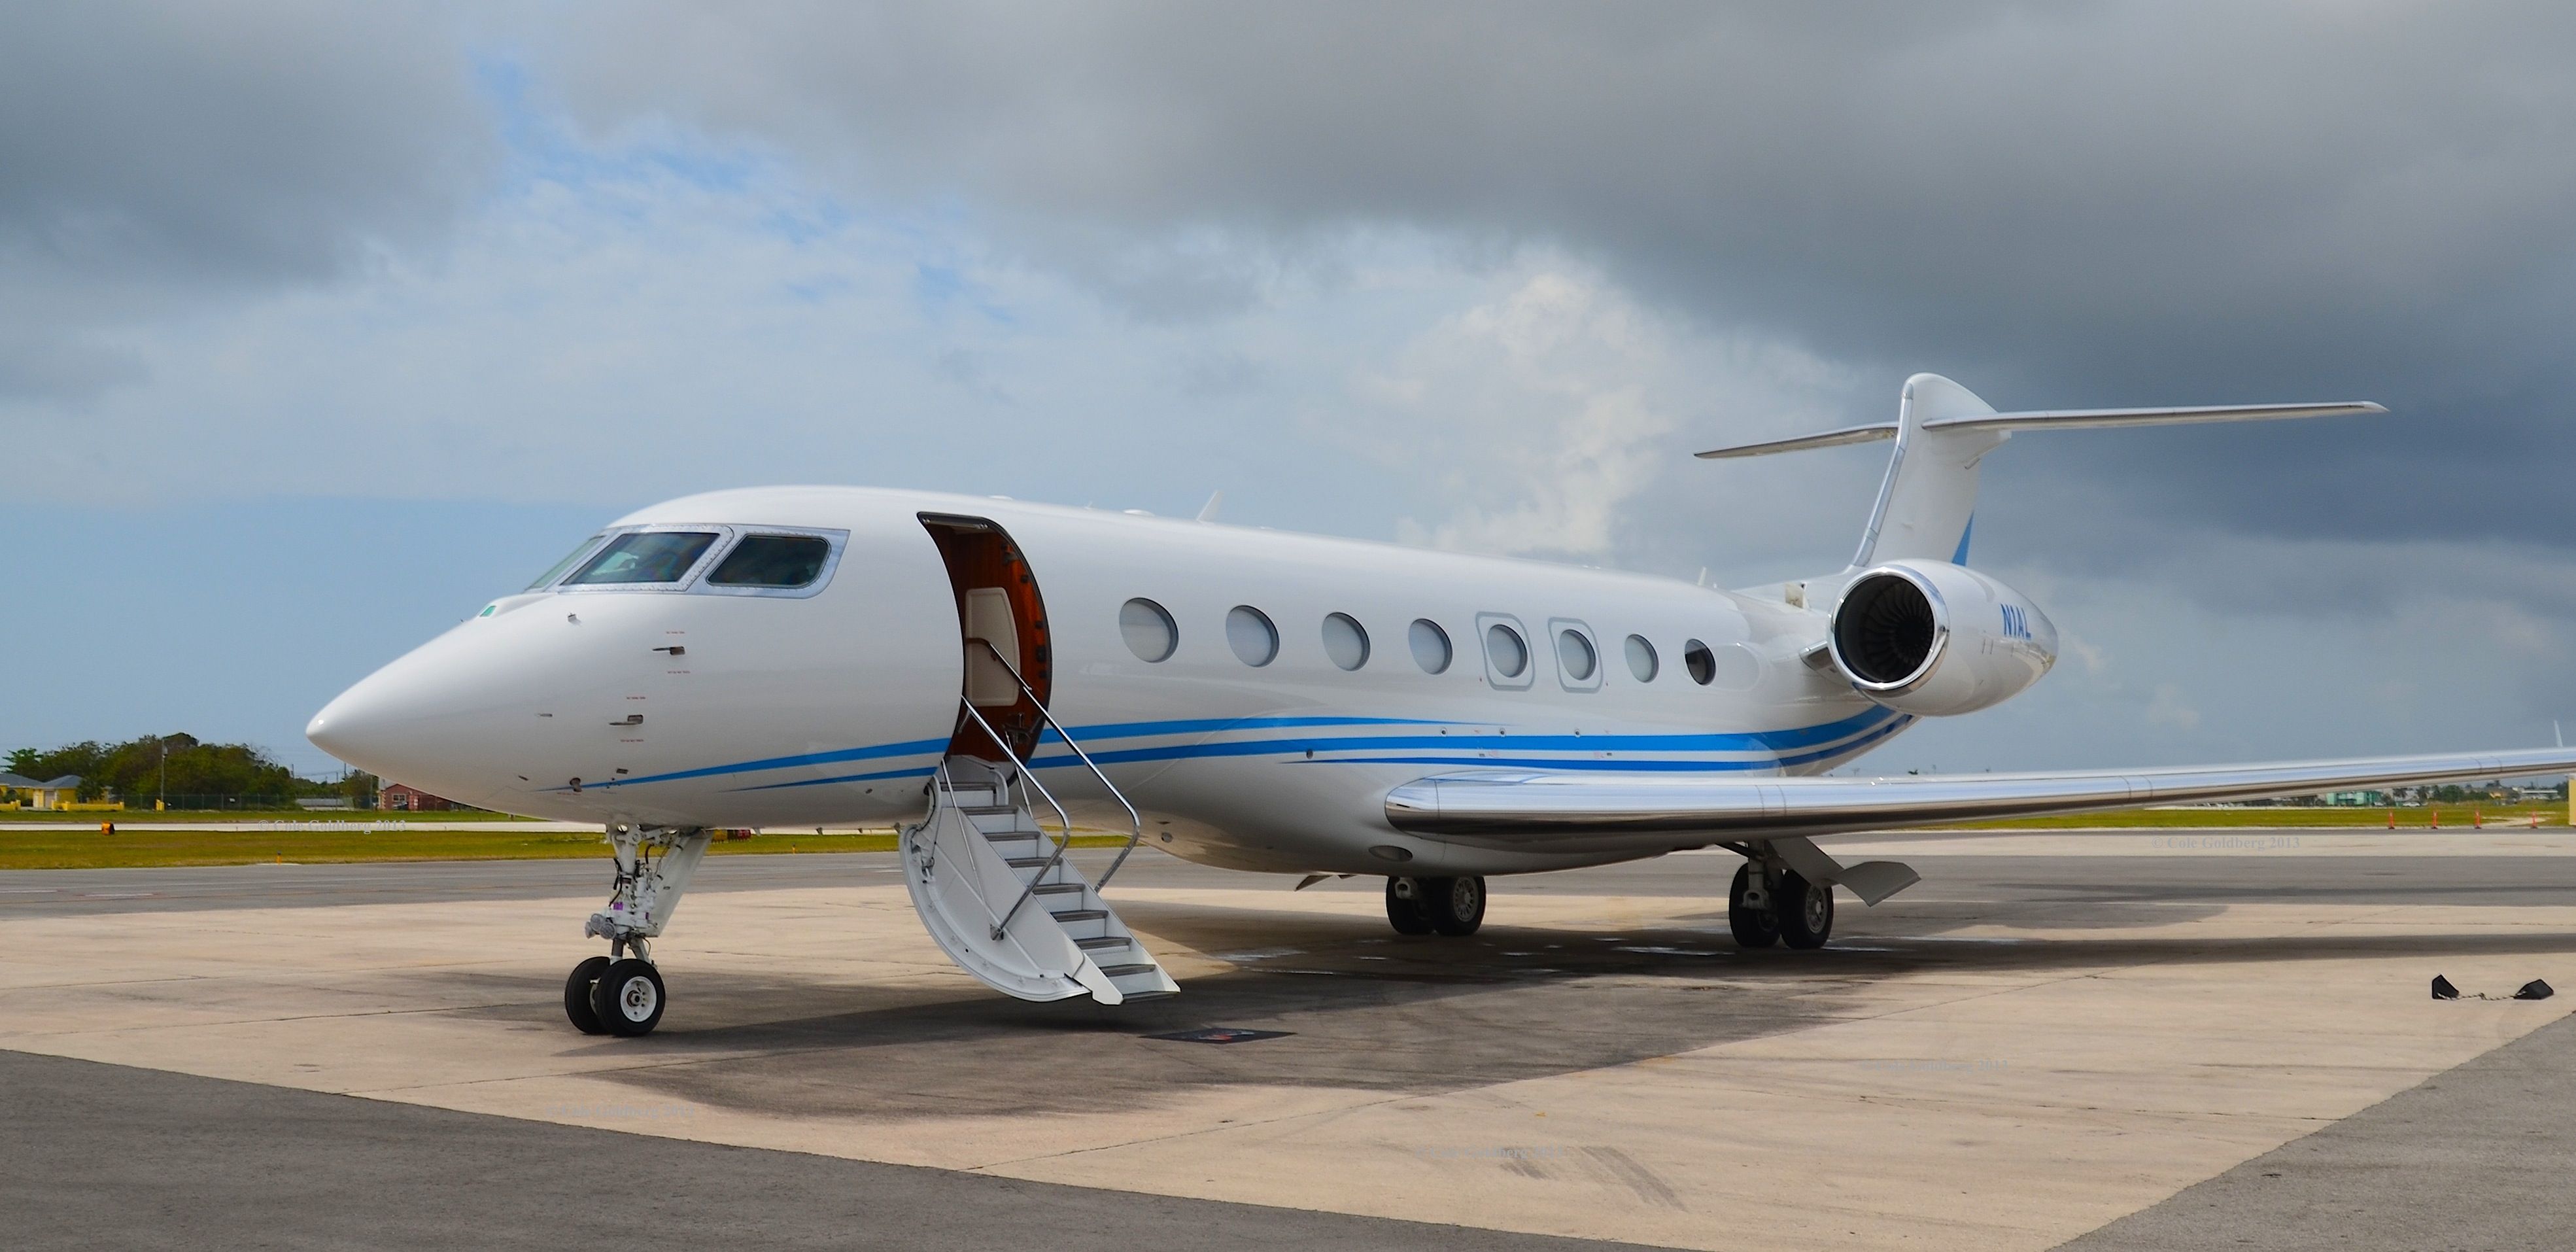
410	799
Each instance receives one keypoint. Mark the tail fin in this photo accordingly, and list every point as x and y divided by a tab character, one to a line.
1942	430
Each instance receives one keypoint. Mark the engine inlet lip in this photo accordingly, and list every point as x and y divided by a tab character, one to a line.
1931	655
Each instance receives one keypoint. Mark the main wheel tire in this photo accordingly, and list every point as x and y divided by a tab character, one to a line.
628	998
577	996
1753	928
1404	908
1456	905
1805	910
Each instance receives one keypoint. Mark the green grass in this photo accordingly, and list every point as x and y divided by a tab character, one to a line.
452	817
2453	817
126	849
456	836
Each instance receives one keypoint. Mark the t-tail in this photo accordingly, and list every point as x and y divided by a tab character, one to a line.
1907	622
1942	430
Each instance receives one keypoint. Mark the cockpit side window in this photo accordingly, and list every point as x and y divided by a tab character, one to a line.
776	561
547	579
651	556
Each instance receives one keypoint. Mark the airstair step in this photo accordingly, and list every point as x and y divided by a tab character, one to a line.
1080	931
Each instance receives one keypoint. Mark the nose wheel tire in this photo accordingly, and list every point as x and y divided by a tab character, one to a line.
1753	927
628	997
1404	909
1805	909
577	996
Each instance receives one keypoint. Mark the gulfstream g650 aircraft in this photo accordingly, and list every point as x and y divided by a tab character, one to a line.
972	668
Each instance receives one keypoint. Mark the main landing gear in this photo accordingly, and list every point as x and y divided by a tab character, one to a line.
1448	906
1770	905
621	993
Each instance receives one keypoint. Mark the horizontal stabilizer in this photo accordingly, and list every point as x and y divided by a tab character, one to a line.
2079	419
2053	419
1515	805
1829	439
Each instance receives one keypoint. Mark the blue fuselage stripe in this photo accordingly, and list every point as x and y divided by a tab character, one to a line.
1517	750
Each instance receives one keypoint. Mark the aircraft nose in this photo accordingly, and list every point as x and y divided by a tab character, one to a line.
357	726
450	716
422	717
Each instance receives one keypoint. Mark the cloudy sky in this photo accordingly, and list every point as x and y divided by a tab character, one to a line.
320	324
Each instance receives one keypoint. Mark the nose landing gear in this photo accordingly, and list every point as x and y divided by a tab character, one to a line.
622	993
615	996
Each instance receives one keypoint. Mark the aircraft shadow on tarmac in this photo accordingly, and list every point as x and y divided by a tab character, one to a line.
1373	1011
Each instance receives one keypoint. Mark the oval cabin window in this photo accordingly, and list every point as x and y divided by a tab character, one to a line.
1699	661
1249	632
1430	645
1148	630
1345	641
1642	660
1504	648
1575	655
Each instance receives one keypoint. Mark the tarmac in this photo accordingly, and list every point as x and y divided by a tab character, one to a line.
2149	1039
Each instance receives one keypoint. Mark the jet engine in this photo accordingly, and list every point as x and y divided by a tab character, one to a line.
1936	640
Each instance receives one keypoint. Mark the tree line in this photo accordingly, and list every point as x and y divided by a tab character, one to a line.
138	770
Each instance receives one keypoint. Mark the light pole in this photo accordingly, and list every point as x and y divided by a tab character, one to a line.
161	803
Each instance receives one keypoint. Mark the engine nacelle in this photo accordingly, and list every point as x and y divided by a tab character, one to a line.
1936	640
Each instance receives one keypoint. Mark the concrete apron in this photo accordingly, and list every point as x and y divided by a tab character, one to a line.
1973	1098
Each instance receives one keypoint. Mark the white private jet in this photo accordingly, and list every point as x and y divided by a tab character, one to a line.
803	656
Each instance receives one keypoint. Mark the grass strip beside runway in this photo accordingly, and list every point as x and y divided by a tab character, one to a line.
131	849
2448	816
336	838
441	817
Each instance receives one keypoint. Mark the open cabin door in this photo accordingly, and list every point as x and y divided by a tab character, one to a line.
997	603
994	887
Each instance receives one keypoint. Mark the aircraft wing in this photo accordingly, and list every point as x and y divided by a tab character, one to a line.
1505	805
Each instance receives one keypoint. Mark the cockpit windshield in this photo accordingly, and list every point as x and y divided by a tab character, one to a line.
781	561
651	556
559	567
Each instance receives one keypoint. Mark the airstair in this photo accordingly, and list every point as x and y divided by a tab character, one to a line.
999	895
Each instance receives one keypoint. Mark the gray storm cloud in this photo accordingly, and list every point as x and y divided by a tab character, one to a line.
2060	204
157	156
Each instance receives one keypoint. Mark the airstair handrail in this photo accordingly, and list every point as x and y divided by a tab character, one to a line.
1135	820
1030	777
